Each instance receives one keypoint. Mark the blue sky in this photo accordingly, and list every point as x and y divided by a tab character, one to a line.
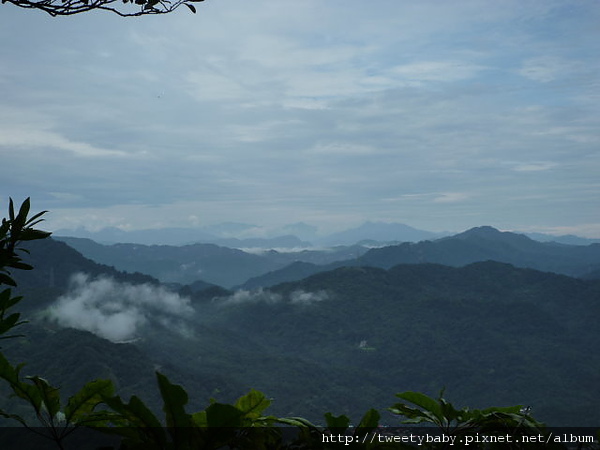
441	115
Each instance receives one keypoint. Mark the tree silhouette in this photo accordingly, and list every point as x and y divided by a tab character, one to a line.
124	8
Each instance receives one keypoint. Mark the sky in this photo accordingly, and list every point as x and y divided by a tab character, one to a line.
440	115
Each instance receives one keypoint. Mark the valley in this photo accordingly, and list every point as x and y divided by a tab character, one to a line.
343	338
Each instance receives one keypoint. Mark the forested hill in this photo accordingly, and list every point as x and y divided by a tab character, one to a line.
487	243
476	244
181	264
488	332
55	262
212	263
344	340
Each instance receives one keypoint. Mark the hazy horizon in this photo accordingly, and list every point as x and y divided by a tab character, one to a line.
255	231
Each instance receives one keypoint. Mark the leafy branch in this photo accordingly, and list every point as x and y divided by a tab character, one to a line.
123	8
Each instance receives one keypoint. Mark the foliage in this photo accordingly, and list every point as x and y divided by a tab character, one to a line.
477	428
124	8
14	230
465	421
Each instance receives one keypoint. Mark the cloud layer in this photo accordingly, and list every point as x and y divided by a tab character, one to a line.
118	311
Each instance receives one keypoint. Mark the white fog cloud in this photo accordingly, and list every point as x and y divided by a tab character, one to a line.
305	298
118	311
243	296
298	297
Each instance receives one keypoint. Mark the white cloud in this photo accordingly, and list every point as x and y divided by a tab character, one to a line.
301	297
342	148
34	137
243	296
118	311
534	166
443	71
549	68
451	197
33	130
298	297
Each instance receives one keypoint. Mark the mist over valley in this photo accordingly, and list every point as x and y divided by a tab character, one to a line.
471	313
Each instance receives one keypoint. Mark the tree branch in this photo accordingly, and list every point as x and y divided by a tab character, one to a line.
123	8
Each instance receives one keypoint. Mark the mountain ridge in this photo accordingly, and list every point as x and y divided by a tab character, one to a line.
490	332
229	233
473	245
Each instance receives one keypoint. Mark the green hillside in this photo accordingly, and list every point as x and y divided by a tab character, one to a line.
347	340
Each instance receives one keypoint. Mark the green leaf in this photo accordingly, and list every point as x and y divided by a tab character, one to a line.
20	266
14	417
174	400
24	209
296	422
11	210
449	412
5	279
50	395
10	322
6	301
80	406
414	415
5	297
503	409
252	404
332	421
31	234
134	421
133	414
18	223
35	219
22	390
199	419
432	409
369	422
223	415
4	228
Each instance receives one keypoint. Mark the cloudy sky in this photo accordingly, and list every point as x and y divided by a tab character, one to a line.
439	114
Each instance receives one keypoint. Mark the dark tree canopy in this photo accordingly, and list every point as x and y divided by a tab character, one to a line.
125	8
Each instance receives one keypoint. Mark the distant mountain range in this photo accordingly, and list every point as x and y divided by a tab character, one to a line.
250	236
211	263
379	232
477	244
487	243
342	340
231	267
298	235
568	239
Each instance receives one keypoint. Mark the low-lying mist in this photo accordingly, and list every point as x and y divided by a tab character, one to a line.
298	297
119	311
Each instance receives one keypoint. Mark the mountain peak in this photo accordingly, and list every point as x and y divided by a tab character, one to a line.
489	233
484	231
